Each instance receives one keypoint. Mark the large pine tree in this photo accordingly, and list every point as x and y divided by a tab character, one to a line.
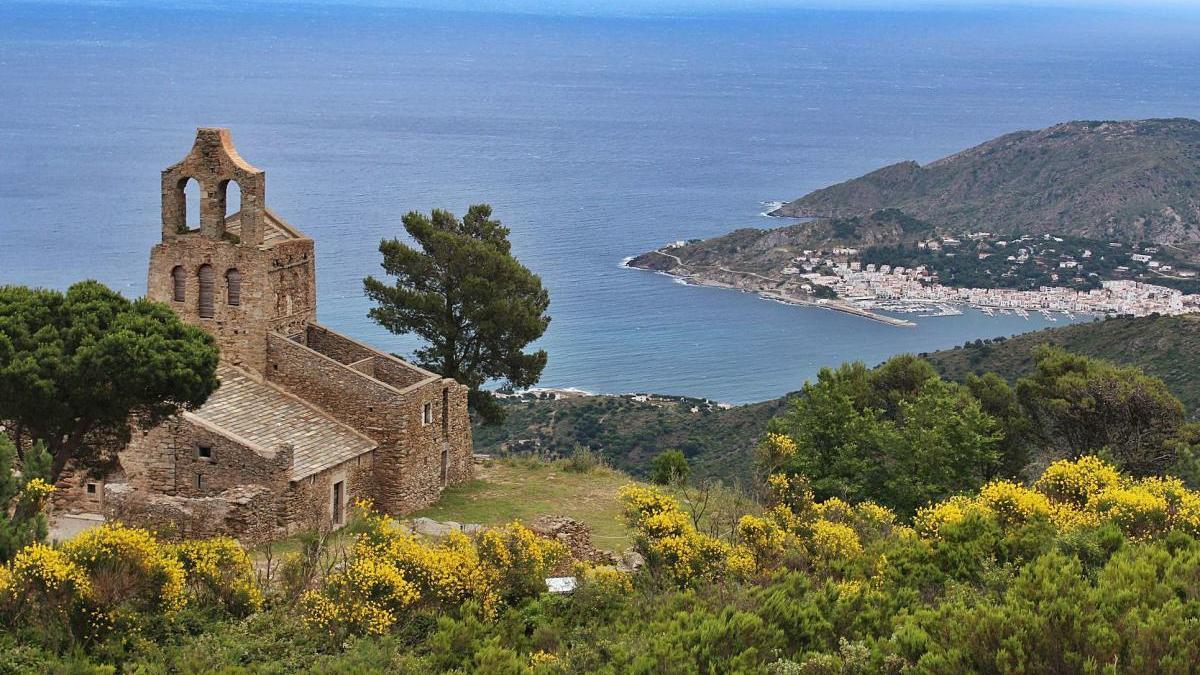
465	295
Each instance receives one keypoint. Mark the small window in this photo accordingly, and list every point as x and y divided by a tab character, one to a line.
204	452
179	281
91	488
206	292
233	284
427	414
199	481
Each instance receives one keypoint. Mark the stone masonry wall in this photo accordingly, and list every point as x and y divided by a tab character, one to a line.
309	501
335	346
408	462
166	460
277	290
292	275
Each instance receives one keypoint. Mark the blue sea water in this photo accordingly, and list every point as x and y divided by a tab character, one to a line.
593	138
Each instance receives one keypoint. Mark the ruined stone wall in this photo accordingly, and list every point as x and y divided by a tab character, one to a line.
382	367
249	513
149	458
345	394
396	373
72	495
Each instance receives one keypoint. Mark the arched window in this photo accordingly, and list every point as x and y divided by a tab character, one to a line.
206	291
232	197
233	286
191	204
179	281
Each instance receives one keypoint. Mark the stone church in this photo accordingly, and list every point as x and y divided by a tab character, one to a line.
306	420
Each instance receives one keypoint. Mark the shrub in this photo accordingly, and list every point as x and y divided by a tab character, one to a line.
128	567
219	572
583	460
668	468
1076	481
672	545
364	597
833	541
391	570
45	593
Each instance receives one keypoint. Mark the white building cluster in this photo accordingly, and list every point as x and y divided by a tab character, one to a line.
854	283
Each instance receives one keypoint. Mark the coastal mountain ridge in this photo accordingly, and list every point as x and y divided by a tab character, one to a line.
1129	181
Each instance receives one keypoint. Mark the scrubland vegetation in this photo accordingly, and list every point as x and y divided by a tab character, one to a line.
1087	570
896	523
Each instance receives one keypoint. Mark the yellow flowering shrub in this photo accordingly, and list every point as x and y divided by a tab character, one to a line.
1013	504
219	571
1139	512
774	449
833	541
44	572
392	570
366	596
37	490
791	501
835	511
1067	517
873	521
763	539
740	562
665	524
43	587
1074	495
639	502
445	574
671	544
128	567
690	558
517	561
605	577
930	520
1077	481
545	662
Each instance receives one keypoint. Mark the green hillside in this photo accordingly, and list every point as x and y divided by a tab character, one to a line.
719	442
1166	347
629	432
1131	181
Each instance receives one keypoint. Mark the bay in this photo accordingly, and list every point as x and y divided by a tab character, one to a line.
593	138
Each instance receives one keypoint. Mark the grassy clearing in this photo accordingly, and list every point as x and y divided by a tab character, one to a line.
523	490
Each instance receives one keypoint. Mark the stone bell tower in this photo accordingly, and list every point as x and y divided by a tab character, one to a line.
240	275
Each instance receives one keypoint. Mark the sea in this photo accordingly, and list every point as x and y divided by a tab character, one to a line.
594	138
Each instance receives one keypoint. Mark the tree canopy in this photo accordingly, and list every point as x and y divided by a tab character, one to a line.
1078	405
82	365
897	434
462	292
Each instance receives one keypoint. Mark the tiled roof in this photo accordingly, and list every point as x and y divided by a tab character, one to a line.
269	417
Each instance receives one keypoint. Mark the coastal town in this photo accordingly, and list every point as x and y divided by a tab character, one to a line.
1047	274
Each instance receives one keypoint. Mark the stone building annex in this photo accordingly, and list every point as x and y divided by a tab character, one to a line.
306	420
